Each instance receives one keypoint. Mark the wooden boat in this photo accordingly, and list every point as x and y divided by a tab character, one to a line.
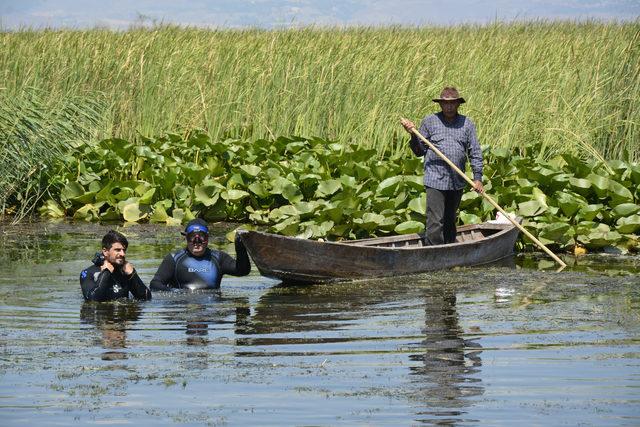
301	261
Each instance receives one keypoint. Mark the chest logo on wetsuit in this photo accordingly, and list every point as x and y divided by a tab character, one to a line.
197	270
116	288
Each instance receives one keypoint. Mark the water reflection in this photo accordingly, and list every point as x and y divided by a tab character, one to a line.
208	319
112	320
448	375
317	320
197	332
557	348
286	310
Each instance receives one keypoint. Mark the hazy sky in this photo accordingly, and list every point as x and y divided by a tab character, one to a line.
121	14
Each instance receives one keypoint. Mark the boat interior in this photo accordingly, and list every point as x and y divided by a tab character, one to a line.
466	233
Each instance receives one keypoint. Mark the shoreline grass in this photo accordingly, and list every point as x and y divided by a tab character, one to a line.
35	135
573	87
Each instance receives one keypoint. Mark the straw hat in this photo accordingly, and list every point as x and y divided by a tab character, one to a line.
449	94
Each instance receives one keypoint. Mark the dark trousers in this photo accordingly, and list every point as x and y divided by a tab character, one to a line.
442	208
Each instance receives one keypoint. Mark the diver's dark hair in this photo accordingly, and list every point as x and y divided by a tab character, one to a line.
112	237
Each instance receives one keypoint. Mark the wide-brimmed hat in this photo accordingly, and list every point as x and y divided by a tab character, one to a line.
449	94
196	226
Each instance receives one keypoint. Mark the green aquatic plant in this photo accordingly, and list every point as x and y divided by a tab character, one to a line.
34	134
571	86
314	188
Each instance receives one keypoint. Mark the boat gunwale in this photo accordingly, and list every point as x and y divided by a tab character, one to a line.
503	229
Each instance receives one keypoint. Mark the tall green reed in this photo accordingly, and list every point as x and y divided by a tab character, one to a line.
34	134
571	86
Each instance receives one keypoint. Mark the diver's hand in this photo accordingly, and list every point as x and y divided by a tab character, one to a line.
127	268
106	265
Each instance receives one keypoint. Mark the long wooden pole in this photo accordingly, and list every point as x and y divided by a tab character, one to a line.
488	198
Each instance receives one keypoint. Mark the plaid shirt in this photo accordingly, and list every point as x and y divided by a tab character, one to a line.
455	140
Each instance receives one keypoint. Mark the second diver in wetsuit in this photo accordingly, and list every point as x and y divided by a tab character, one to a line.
111	276
198	266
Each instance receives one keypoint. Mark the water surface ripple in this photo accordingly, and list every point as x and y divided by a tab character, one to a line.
482	346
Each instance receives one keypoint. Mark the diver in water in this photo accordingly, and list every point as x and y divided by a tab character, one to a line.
111	276
197	266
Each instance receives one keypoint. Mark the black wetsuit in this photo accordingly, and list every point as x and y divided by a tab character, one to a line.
182	269
106	286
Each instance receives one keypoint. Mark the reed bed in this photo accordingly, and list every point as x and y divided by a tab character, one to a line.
572	86
35	135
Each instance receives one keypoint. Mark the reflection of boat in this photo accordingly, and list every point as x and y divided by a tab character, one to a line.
294	260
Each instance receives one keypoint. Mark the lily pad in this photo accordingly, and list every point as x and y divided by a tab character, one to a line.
51	209
600	184
580	185
559	232
418	204
628	225
251	170
131	211
389	185
409	227
469	218
208	195
370	221
258	189
531	208
234	195
625	209
159	214
328	187
599	239
590	212
569	202
71	190
619	193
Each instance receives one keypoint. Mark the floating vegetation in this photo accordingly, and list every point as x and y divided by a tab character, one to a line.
313	188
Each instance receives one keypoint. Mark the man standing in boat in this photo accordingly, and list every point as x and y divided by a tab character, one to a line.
197	266
111	276
455	136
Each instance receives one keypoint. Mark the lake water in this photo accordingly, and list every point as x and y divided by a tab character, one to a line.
482	346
